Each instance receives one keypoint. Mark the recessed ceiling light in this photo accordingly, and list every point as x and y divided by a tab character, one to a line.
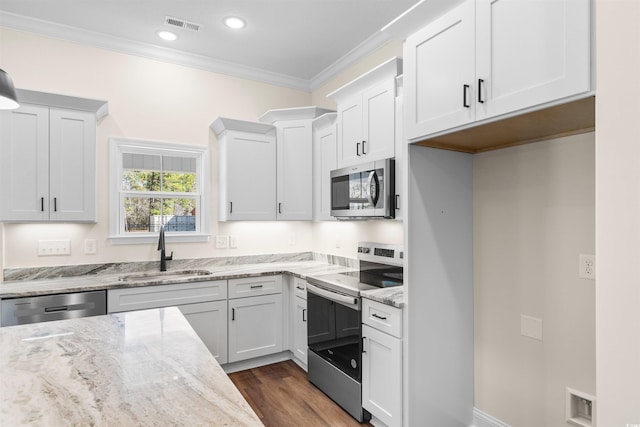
234	22
167	35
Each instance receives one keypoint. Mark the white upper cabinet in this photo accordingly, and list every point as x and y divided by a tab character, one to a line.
246	170
439	63
530	52
294	165
48	162
324	161
488	58
366	115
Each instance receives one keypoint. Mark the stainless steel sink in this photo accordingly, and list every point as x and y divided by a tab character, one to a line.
164	275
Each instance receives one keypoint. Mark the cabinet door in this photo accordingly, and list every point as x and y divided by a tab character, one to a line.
300	330
324	161
530	52
382	376
24	164
350	131
294	166
209	320
255	327
379	115
439	73
72	171
248	174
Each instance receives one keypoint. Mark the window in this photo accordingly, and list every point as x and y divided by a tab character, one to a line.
154	184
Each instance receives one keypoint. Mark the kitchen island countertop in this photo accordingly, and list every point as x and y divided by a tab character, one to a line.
137	368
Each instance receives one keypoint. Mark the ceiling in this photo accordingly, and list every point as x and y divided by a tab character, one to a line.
296	43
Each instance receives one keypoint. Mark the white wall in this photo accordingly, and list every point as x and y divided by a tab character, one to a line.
155	100
534	213
618	213
150	100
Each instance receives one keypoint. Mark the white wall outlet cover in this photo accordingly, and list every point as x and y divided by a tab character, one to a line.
587	265
233	242
90	246
222	242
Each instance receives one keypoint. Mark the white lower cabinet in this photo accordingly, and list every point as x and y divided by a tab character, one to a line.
255	327
382	362
255	317
209	320
204	305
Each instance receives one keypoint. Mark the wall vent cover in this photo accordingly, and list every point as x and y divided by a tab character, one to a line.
181	23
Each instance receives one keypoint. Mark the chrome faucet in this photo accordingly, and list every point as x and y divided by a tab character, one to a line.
163	258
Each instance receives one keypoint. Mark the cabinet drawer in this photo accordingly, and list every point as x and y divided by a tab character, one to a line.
146	297
382	317
300	288
253	286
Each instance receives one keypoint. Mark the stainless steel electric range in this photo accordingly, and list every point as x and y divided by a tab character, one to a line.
334	329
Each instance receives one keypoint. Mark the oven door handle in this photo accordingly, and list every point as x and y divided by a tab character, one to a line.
333	296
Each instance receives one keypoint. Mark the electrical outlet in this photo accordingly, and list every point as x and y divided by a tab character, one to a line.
222	242
90	246
587	267
233	242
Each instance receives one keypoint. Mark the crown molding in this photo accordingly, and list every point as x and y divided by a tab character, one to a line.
359	52
64	32
118	44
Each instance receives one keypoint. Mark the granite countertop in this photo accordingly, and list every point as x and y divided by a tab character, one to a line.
93	282
138	368
34	282
393	296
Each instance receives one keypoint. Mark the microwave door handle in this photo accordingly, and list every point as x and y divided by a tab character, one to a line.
374	196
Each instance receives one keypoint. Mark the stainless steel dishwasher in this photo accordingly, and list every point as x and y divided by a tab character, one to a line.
45	308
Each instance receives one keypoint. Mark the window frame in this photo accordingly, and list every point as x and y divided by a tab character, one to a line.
119	146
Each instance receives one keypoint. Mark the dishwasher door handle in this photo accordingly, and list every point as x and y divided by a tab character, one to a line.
56	309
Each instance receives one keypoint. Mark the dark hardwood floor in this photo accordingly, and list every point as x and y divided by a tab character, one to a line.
281	396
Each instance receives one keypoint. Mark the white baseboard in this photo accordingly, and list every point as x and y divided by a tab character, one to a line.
258	361
482	419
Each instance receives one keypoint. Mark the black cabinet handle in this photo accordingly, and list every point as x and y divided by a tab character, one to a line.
480	82
256	286
304	314
279	207
55	204
397	202
378	316
42	204
363	350
465	89
363	152
230	207
233	314
358	149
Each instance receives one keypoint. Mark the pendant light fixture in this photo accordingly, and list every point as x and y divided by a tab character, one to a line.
8	99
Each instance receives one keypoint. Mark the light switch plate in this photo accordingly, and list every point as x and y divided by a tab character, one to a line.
54	247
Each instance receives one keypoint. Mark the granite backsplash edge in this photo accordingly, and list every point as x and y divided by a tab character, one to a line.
54	272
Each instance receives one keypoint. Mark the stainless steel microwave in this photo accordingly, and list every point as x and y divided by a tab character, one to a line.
364	191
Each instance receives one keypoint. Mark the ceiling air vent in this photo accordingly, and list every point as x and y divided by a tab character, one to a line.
181	23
